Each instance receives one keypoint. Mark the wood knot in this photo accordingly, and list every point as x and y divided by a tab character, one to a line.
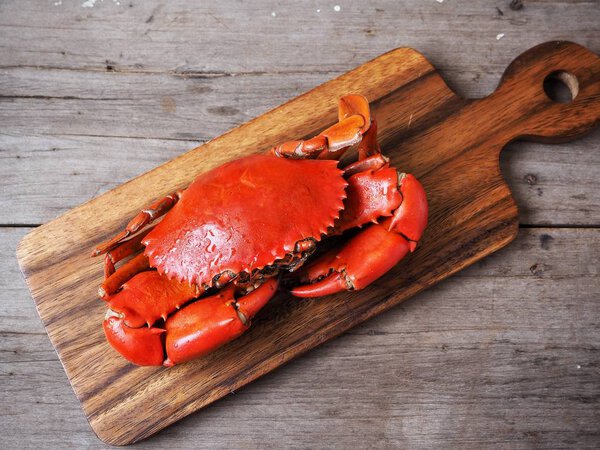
516	5
538	269
530	179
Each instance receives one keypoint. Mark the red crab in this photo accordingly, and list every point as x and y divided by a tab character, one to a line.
198	277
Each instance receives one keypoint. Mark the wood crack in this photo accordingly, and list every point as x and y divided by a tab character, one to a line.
198	141
177	72
59	97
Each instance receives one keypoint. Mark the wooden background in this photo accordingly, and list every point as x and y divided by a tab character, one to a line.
504	354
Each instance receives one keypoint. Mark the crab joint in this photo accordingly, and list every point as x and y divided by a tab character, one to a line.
223	278
305	245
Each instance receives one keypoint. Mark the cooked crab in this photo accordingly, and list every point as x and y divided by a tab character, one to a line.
197	277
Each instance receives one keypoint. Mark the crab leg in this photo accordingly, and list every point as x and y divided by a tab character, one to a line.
146	216
369	145
354	119
373	251
127	271
371	163
123	250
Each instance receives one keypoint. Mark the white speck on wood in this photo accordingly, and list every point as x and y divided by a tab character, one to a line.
337	8
318	10
58	3
579	366
440	1
274	14
499	36
88	4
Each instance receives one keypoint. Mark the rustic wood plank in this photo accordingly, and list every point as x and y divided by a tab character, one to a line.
505	353
41	176
471	215
139	105
60	125
553	185
244	37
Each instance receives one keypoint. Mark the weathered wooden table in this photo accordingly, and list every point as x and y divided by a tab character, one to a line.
504	354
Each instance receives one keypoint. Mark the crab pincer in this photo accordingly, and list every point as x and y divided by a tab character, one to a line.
212	322
373	251
200	328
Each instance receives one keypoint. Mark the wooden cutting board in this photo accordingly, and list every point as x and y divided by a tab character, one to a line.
451	144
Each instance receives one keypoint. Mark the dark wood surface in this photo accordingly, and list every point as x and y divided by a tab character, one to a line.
471	215
503	354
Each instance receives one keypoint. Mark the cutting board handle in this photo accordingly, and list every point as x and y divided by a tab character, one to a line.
534	115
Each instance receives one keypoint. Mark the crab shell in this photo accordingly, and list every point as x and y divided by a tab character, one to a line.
245	215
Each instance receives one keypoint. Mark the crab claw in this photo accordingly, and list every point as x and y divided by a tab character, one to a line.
373	251
148	297
410	219
206	325
366	257
142	346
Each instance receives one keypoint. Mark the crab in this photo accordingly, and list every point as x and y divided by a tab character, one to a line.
202	262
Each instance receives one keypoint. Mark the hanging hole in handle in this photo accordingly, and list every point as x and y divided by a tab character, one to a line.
561	86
